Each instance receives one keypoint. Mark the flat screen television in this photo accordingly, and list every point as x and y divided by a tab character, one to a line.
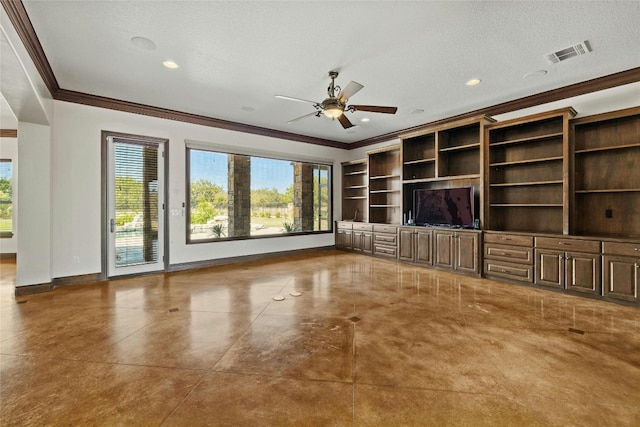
451	207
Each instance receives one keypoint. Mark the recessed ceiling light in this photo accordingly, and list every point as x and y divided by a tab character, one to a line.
473	82
143	43
535	74
365	119
170	64
417	111
247	108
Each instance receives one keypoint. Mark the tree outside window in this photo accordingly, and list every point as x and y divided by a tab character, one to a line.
6	198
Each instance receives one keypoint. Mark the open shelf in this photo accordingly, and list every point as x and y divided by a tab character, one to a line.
475	145
610	190
527	182
615	147
417	162
523	162
521	184
528	139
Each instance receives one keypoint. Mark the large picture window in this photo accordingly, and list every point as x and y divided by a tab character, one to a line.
234	196
6	198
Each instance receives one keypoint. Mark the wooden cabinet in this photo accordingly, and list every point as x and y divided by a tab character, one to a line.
527	183
508	256
445	156
385	240
621	270
344	233
606	163
355	187
415	245
457	250
569	264
385	187
362	238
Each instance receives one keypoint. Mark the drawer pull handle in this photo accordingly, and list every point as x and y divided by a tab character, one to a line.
504	238
636	249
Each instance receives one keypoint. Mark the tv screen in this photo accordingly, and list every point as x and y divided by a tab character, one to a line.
450	207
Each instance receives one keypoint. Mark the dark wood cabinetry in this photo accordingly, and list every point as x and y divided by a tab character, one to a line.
606	170
415	245
559	200
569	264
385	188
362	238
527	181
344	234
508	256
446	156
621	270
457	250
355	190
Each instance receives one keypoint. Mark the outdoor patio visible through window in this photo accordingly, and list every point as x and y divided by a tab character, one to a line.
236	196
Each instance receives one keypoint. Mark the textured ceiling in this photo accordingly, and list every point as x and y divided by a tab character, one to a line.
236	56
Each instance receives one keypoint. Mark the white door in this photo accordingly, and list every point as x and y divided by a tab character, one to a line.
135	226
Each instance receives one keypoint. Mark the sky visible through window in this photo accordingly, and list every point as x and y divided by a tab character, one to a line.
5	170
265	173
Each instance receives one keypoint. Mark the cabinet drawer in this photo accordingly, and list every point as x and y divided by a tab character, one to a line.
383	250
521	273
363	227
588	246
344	225
519	254
385	239
617	248
391	229
508	239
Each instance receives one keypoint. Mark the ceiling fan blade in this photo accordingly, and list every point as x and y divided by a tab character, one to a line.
344	121
315	113
374	109
290	98
351	89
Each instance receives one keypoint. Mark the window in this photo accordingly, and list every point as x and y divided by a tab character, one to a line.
234	196
6	198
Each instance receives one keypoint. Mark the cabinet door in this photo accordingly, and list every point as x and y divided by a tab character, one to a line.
343	239
423	247
367	242
356	240
467	252
406	244
444	249
621	277
550	268
583	272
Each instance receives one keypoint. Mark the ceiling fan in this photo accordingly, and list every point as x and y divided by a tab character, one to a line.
335	105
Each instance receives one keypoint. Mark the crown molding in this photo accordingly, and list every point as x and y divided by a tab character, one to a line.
593	85
21	22
8	133
179	116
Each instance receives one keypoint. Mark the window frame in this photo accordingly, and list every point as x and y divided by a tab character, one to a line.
221	149
9	234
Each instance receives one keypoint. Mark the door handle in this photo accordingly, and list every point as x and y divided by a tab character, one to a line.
112	225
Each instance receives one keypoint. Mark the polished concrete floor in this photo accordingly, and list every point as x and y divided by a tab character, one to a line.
369	342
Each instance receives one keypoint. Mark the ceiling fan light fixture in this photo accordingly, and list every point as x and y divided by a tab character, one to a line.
333	111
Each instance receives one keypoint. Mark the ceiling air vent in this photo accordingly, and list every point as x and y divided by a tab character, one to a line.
569	52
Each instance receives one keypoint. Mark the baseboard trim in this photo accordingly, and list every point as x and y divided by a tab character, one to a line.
74	280
245	258
98	277
22	291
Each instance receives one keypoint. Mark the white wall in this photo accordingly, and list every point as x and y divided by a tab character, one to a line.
34	205
76	181
9	150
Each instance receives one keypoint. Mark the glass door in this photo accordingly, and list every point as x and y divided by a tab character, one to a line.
135	207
